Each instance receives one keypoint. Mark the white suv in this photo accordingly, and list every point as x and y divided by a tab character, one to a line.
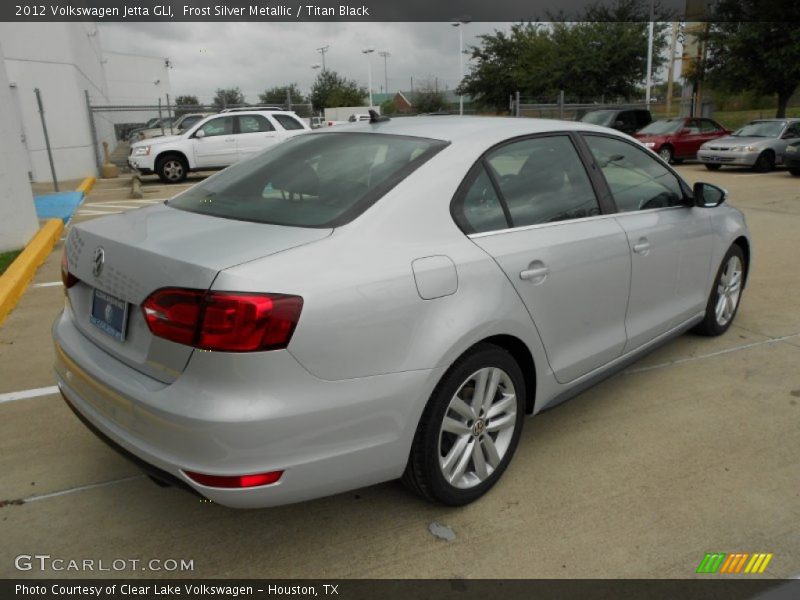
215	142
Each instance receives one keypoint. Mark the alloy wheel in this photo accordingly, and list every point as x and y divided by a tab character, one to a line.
728	291
173	170
477	428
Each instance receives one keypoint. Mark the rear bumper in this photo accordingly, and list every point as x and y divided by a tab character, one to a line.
719	157
240	414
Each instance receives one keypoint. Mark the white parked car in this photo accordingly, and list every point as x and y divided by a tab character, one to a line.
178	126
215	142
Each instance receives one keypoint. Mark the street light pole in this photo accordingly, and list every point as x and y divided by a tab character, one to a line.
460	25
385	56
649	58
369	50
322	51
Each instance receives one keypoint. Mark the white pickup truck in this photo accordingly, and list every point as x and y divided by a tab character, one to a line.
215	142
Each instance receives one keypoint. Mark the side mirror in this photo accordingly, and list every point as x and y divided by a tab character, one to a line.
684	131
199	134
707	195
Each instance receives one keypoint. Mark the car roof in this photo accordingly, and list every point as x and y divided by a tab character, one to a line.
779	120
455	128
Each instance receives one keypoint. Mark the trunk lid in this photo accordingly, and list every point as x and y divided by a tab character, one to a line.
158	247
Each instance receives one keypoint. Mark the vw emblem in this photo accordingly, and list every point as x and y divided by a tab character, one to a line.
97	261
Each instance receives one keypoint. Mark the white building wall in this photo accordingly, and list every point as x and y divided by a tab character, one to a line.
18	220
135	79
62	60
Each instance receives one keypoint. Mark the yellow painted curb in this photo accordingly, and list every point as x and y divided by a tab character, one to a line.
86	185
17	277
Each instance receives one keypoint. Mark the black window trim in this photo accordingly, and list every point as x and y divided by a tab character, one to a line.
599	187
688	197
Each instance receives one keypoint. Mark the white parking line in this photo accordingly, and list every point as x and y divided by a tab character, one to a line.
26	394
48	284
80	488
710	354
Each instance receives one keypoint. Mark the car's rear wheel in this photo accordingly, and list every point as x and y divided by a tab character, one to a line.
172	168
765	162
469	429
712	167
665	152
795	172
725	295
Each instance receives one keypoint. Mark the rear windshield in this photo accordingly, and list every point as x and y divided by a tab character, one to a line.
316	180
599	117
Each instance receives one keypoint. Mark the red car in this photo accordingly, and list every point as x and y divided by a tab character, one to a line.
676	139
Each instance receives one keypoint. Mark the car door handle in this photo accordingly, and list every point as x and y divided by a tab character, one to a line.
642	246
536	270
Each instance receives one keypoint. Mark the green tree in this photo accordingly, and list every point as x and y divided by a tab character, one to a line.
227	97
754	46
388	107
185	104
428	99
602	53
278	95
331	90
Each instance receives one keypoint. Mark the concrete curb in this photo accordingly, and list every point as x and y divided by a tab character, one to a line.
86	185
14	281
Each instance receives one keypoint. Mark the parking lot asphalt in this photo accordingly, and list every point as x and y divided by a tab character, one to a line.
693	449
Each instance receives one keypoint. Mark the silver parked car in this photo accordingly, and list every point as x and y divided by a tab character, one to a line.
760	144
384	300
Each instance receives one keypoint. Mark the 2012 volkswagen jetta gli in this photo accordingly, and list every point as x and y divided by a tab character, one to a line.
384	300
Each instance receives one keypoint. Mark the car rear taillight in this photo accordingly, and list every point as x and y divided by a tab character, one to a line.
223	321
67	278
235	481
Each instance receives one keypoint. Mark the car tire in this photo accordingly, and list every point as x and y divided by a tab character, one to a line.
665	152
765	162
795	172
723	302
712	167
172	168
460	451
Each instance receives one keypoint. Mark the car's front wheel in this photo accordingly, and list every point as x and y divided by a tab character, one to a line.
172	168
469	429
765	162
725	295
665	152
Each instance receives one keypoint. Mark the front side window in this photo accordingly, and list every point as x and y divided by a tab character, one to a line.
317	180
288	122
693	128
636	179
254	124
542	180
219	126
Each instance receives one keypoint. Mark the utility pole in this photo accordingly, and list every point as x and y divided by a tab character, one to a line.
650	29
671	71
322	51
366	52
385	56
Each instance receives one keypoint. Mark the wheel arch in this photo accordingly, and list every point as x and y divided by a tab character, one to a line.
522	355
744	244
166	153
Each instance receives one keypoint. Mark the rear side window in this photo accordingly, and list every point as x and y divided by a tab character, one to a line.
288	122
480	209
254	124
709	126
317	180
542	180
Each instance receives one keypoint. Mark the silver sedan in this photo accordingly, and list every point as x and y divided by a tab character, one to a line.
760	144
384	300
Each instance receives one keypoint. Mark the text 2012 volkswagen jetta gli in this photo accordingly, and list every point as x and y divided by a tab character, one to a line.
384	300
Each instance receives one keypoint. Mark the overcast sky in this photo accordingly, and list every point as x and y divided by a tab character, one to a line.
256	56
